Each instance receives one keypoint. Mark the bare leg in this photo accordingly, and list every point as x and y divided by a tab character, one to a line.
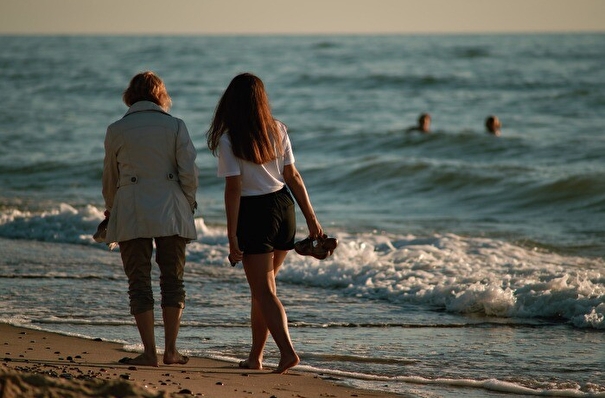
145	324
268	312
172	322
260	332
136	255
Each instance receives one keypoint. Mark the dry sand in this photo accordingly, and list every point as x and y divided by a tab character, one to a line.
44	364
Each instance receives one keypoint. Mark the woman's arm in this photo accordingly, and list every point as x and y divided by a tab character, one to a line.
233	191
297	186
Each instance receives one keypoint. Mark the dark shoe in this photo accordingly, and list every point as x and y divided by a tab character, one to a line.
320	248
99	236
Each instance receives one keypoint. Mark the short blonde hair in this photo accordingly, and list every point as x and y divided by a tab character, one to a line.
147	86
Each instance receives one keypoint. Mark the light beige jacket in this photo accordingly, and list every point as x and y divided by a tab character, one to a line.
149	176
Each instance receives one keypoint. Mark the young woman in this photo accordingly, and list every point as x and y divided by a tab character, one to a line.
256	159
149	185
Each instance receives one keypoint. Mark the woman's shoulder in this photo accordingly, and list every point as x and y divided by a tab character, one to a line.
283	129
281	125
224	139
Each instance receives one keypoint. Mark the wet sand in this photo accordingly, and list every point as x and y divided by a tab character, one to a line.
37	363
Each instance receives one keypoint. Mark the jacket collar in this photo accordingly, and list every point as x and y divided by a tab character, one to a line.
144	106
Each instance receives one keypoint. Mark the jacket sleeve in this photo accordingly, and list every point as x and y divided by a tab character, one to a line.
187	169
110	173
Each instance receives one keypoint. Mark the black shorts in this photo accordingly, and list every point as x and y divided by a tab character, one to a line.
266	223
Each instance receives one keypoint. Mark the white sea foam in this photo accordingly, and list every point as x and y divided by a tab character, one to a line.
461	275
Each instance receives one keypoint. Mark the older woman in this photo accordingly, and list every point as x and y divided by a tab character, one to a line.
149	185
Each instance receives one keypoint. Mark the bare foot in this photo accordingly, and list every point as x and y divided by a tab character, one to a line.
286	363
141	360
249	364
175	359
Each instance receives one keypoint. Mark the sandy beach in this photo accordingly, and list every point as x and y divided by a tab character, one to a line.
37	363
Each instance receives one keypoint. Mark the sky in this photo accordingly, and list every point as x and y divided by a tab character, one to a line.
299	17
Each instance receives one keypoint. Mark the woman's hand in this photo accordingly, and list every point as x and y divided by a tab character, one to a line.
315	229
235	254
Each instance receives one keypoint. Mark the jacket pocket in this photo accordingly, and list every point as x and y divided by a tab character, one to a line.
127	180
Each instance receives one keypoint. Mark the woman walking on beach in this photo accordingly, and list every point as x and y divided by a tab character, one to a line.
149	185
256	159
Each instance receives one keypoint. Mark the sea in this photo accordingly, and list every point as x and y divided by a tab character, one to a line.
468	265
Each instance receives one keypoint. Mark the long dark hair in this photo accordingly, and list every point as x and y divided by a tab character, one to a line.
244	113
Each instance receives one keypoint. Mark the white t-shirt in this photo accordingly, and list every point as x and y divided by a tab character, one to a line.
257	179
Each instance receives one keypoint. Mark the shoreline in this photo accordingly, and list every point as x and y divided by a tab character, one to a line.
35	361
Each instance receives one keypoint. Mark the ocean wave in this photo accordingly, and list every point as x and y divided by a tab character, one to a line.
384	81
64	224
464	276
471	51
